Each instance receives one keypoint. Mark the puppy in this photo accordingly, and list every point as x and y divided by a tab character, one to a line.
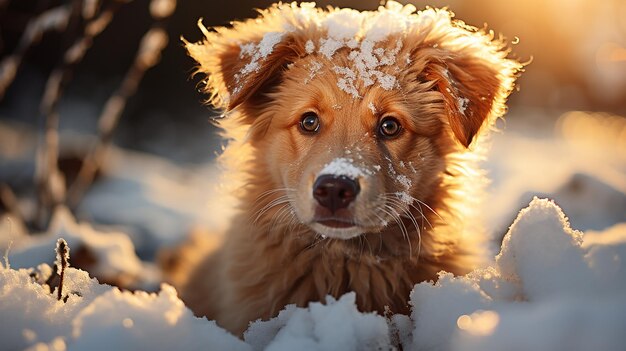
350	134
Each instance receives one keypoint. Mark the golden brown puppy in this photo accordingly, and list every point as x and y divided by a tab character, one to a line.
352	133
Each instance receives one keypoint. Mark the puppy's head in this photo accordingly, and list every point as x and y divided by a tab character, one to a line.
352	115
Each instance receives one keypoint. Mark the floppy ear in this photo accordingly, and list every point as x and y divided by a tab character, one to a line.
470	89
241	62
472	73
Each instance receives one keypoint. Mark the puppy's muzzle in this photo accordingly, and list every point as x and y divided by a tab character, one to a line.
335	192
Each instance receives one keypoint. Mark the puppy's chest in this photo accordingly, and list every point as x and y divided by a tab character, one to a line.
314	276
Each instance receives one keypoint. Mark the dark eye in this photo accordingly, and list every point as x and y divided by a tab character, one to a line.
310	122
389	127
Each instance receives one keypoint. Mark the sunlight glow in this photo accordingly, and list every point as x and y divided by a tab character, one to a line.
479	323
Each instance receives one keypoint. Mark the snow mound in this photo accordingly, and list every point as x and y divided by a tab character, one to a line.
550	289
110	256
157	202
99	317
122	320
338	325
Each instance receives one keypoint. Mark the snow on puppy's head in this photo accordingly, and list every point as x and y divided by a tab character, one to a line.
370	49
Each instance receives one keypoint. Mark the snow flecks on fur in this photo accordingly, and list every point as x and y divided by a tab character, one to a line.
405	197
314	69
368	60
347	82
360	31
258	52
462	104
349	29
309	46
345	167
328	46
404	180
372	108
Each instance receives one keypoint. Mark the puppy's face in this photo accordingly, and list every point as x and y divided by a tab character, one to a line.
352	114
351	165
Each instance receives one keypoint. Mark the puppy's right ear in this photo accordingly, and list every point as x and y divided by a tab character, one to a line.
241	62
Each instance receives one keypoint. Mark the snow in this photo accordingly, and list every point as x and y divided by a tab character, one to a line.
580	162
347	83
343	24
309	46
359	32
114	253
329	46
156	202
336	325
462	104
62	254
372	108
545	292
258	52
550	288
100	317
117	320
344	167
404	181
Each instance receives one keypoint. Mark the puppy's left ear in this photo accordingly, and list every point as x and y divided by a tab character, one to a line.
474	81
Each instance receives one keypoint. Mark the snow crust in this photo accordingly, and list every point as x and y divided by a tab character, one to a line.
550	288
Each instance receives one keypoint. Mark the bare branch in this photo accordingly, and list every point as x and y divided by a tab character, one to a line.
148	55
62	261
50	181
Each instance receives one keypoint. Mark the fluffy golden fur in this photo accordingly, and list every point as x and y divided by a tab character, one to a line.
443	81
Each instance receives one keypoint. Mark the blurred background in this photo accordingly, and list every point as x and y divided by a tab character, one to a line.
577	48
563	137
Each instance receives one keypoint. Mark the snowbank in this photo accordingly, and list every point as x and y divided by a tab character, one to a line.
551	288
109	256
338	325
99	317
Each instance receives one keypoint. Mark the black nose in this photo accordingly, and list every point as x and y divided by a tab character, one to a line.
335	192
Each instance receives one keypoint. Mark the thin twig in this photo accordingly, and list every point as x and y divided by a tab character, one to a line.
62	261
49	179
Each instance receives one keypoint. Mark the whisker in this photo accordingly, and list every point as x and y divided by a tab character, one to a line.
267	207
405	234
267	193
419	203
411	217
430	208
279	214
